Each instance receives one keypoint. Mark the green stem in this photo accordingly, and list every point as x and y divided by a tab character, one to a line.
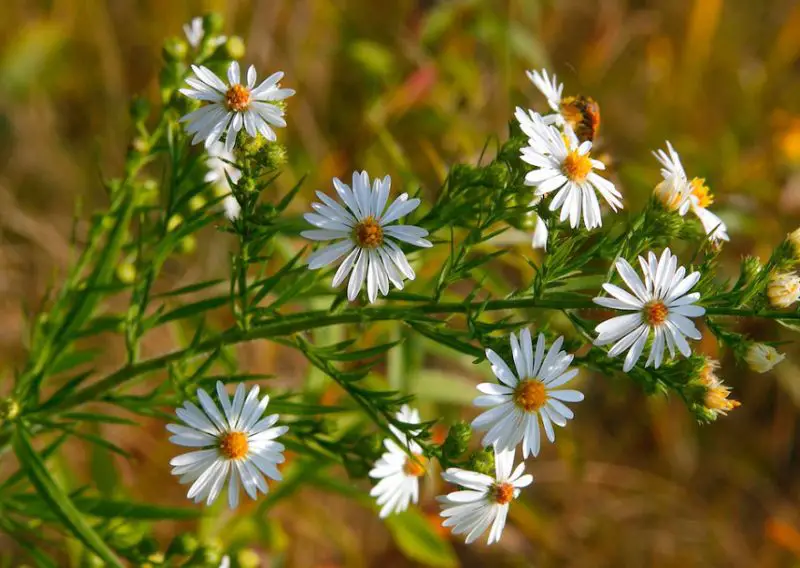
289	324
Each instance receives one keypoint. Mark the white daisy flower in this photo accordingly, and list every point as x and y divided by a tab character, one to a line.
661	305
398	471
762	358
678	193
194	33
565	166
238	445
549	86
234	105
226	562
484	500
525	397
365	235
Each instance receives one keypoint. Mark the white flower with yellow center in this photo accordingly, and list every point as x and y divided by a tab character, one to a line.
238	445
762	358
783	289
484	501
398	471
660	306
365	235
234	106
678	193
527	396
564	165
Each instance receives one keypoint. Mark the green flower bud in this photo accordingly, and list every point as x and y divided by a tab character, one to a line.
212	23
197	202
175	49
482	461
182	545
495	175
126	272
370	447
235	47
9	409
751	267
248	558
274	156
457	441
188	244
140	144
174	222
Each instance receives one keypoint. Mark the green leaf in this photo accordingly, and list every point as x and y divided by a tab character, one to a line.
128	510
300	409
419	541
193	309
55	497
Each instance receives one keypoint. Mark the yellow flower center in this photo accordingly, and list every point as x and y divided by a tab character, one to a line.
237	98
655	312
701	192
369	233
233	445
415	466
503	493
576	167
530	395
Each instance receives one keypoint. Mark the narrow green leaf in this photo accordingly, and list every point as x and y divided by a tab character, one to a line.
419	541
55	497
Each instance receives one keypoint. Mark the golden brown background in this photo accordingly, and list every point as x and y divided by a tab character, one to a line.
409	88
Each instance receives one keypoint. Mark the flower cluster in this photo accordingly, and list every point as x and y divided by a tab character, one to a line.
368	241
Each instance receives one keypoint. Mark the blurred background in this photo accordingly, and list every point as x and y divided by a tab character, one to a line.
409	88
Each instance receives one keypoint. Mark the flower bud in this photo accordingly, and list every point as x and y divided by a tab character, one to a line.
9	409
370	447
182	545
275	156
188	244
751	267
212	23
126	272
175	49
206	556
248	558
762	358
197	202
235	47
457	440
482	461
174	222
716	399
783	289
794	240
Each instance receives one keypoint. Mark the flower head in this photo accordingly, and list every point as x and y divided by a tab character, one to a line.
794	240
365	235
233	106
678	193
484	501
524	398
762	357
660	306
237	444
564	165
783	289
195	32
716	399
398	471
